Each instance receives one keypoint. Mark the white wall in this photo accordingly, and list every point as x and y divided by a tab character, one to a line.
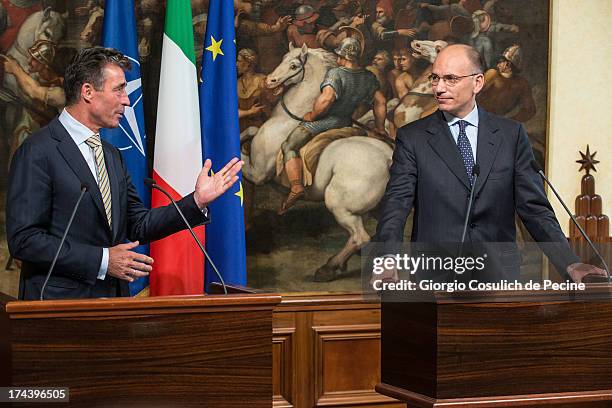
581	95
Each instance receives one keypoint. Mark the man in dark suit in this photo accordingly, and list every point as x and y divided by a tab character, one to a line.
46	177
432	172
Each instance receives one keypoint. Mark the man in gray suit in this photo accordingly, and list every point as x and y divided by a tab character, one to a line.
432	172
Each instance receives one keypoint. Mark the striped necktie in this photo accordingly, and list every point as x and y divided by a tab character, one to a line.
465	149
103	183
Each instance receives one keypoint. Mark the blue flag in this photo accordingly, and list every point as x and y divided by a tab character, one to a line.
119	32
221	142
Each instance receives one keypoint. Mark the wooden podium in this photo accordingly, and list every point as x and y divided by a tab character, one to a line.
499	349
184	351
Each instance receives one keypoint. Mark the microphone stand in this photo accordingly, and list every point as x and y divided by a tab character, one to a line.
150	182
539	170
475	174
76	206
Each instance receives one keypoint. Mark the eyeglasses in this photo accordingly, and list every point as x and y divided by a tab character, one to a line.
450	80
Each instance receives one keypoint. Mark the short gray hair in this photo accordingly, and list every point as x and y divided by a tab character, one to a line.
476	59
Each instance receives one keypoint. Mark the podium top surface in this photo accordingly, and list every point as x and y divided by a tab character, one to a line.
589	293
16	309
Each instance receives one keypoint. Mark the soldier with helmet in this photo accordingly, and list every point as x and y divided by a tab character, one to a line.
42	54
343	90
505	91
303	29
48	88
514	55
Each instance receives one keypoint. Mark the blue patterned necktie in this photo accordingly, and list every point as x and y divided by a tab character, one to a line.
466	150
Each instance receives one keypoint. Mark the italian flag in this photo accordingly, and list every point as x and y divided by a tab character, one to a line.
179	264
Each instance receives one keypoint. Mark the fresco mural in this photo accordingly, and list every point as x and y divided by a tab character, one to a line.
312	187
282	46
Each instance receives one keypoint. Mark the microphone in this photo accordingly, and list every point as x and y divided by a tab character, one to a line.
538	169
84	188
475	174
151	183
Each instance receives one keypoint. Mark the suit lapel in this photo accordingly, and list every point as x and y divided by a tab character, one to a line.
75	160
111	167
488	144
443	144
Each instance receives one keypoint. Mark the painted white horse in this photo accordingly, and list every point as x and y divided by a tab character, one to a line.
352	173
42	25
419	100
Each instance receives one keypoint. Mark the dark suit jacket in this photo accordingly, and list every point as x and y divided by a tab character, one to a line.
45	179
428	174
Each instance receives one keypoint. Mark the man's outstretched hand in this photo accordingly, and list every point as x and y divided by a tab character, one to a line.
209	187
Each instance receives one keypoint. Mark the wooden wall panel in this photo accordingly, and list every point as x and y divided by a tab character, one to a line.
282	367
327	353
347	364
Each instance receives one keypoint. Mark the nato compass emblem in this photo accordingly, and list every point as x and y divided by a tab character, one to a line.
129	124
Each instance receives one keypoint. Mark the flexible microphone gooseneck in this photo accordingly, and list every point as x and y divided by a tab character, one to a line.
538	169
151	183
84	189
468	213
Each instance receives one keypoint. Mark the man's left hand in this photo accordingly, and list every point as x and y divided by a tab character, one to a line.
209	187
578	271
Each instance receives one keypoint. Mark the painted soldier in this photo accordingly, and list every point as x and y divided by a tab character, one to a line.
381	62
384	27
47	89
303	29
505	91
394	72
343	90
254	99
405	80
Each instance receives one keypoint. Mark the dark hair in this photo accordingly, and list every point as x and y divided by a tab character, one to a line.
88	67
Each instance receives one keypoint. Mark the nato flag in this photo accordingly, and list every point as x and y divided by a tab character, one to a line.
119	32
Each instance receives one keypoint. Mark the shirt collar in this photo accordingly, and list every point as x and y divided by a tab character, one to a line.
471	118
77	131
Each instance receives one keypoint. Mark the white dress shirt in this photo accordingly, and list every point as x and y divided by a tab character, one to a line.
79	134
471	130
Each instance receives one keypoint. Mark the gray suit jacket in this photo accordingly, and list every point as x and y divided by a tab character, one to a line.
428	174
